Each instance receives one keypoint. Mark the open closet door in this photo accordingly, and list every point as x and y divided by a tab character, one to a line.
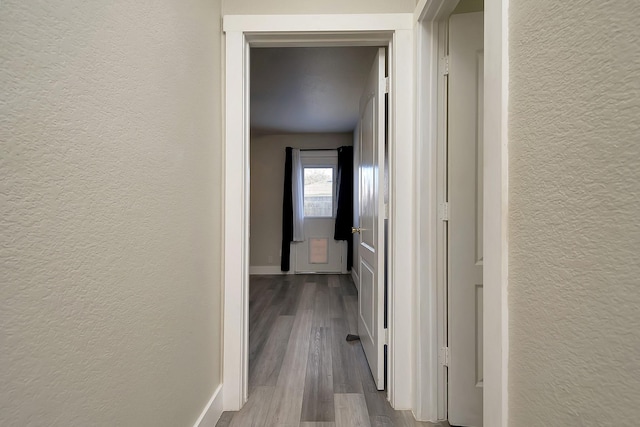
371	232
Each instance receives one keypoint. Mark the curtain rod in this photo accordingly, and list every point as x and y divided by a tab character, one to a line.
318	149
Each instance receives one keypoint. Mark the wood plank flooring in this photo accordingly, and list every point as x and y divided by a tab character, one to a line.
302	371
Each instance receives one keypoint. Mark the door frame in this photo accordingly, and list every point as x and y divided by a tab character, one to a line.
431	35
395	31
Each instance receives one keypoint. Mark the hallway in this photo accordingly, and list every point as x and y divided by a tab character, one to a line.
302	371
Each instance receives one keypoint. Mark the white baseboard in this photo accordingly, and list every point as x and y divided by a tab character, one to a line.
266	270
212	411
274	270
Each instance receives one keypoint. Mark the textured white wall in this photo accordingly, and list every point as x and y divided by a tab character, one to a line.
288	7
267	180
109	212
574	178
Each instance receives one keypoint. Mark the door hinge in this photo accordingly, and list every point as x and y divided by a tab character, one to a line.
386	211
443	211
386	85
444	356
445	65
386	336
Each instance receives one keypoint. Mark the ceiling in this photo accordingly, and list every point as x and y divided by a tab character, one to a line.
307	89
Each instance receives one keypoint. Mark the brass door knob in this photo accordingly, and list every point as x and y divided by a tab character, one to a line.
355	230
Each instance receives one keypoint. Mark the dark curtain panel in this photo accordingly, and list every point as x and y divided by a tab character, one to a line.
344	215
287	214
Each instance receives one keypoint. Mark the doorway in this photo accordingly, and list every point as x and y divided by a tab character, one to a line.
348	87
489	338
304	98
393	31
457	158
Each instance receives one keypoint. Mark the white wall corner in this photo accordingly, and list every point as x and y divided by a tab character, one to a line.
402	222
496	326
236	224
212	411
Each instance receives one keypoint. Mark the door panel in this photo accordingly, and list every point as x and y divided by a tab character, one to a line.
371	237
465	218
318	232
367	303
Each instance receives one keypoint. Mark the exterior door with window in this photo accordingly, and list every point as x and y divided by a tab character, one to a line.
319	252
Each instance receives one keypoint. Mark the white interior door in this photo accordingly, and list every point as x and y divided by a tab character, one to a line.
371	236
465	218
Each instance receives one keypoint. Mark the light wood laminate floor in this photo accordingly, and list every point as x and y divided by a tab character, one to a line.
302	371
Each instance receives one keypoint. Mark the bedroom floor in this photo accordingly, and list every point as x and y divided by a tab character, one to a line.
302	371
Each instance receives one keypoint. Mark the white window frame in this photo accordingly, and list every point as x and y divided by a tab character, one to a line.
322	159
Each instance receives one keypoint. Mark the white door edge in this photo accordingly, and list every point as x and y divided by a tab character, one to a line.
393	30
371	240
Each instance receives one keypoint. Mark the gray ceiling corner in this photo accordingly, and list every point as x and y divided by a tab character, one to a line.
307	89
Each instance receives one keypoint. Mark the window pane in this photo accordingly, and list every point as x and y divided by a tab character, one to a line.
318	192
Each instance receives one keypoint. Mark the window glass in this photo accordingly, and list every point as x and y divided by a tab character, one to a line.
318	192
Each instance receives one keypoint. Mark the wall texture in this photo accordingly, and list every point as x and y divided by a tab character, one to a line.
289	7
109	212
267	179
574	178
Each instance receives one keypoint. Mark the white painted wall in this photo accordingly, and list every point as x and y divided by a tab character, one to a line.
290	7
267	179
574	179
110	204
468	6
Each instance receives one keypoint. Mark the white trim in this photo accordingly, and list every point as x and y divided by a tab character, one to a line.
212	410
431	391
236	224
267	270
427	14
402	219
496	181
295	30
